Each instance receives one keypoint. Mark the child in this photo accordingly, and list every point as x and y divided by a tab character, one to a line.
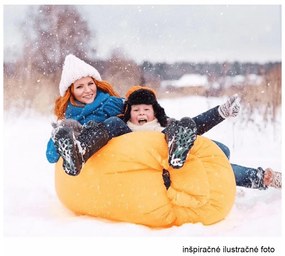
143	112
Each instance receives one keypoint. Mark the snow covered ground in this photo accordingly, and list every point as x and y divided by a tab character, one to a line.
32	210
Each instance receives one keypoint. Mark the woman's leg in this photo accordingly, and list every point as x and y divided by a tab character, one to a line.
224	148
245	176
249	177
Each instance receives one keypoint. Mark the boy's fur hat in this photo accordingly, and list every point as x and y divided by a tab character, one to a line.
143	95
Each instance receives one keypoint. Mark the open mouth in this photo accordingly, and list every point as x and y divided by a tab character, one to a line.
142	121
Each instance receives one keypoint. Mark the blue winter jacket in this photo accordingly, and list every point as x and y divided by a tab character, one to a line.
103	107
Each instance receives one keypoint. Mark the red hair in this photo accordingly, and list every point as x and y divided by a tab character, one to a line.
62	102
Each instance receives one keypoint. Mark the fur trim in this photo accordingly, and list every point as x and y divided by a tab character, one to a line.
142	96
149	126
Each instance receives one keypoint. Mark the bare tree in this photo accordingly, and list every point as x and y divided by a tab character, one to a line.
122	72
51	32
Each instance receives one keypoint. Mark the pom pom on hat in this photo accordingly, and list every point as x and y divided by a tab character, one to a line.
74	69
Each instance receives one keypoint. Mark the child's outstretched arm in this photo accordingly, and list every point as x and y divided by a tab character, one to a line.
216	115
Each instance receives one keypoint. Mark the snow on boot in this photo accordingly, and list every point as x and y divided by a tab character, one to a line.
71	123
92	138
272	178
180	136
76	150
65	142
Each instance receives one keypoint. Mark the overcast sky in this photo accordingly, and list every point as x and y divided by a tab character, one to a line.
174	32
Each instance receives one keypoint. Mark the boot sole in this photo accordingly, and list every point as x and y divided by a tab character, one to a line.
65	142
181	144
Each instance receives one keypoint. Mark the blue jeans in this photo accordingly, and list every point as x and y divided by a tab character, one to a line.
245	176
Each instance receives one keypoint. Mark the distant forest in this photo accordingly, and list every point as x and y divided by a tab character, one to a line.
32	80
123	73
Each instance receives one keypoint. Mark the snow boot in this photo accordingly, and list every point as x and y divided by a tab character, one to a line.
65	142
76	150
180	136
272	178
267	178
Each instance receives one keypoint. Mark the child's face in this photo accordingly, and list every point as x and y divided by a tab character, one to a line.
84	90
141	114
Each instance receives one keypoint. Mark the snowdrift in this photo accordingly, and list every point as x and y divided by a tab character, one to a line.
123	182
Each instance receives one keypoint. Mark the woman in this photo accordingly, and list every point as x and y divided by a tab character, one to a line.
84	97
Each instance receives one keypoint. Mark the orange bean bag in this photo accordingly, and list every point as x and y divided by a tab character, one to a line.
123	182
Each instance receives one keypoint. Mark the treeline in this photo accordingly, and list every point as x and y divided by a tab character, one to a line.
50	32
174	71
123	73
150	72
30	85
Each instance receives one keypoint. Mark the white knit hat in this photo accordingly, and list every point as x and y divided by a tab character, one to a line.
74	69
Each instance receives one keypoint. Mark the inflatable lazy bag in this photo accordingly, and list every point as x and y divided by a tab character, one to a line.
123	182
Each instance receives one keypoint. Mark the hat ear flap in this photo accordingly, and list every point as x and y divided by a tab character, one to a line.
127	111
160	114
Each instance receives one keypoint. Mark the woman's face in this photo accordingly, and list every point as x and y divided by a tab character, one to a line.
141	114
84	90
